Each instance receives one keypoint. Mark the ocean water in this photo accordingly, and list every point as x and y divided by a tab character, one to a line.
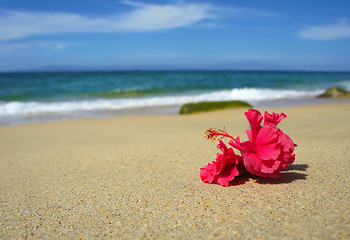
35	97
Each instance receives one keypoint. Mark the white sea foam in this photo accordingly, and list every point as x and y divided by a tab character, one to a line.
246	94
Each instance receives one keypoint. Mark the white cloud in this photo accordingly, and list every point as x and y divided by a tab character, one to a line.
254	56
250	13
57	46
243	56
143	17
10	47
329	32
154	56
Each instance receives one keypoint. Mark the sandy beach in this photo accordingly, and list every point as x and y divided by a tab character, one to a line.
138	177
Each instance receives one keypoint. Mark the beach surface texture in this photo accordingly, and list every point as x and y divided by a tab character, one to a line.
138	177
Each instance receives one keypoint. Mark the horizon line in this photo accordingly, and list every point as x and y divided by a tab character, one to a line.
77	70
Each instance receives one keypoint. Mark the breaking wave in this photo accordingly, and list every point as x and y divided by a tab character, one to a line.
13	108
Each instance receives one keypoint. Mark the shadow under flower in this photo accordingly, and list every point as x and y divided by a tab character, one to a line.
299	167
239	180
285	176
243	177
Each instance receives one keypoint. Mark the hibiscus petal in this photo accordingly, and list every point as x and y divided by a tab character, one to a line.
285	140
287	155
248	146
227	175
254	164
223	170
222	146
266	135
206	173
236	143
274	119
270	166
251	160
266	144
275	174
268	151
249	133
255	118
283	166
228	157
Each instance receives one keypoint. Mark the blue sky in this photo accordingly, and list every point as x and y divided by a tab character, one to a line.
112	34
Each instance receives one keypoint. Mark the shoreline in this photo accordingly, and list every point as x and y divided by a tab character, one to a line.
138	177
154	110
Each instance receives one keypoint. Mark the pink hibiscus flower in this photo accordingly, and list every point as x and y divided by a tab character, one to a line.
268	149
287	146
223	170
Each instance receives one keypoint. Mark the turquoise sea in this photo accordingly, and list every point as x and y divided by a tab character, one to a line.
45	96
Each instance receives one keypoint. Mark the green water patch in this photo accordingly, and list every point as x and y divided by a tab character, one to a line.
212	106
139	92
19	97
124	93
13	97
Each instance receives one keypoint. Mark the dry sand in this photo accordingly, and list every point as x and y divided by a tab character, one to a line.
138	177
